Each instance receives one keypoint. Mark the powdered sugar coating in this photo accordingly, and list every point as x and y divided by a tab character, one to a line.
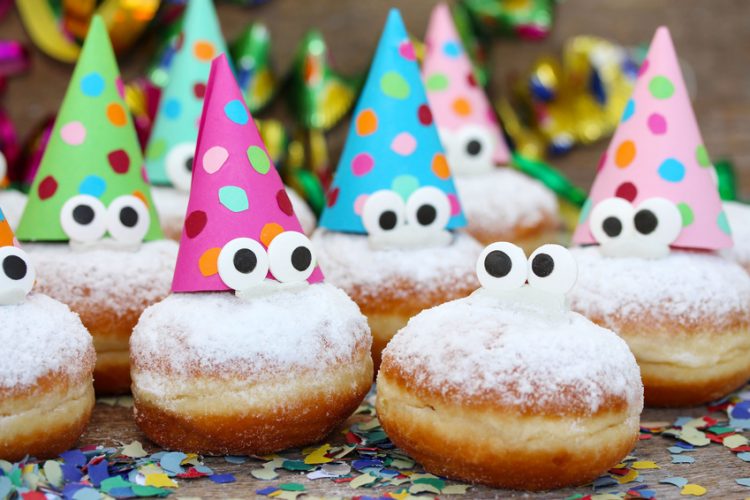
348	262
122	279
12	203
739	220
485	349
38	337
686	287
504	200
217	333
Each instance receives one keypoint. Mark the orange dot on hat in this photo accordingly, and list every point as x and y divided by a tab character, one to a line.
625	154
209	262
116	114
462	107
367	122
203	50
269	232
440	166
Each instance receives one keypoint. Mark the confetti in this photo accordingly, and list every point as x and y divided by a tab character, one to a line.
134	450
682	459
680	482
363	480
743	481
695	490
644	465
319	456
160	480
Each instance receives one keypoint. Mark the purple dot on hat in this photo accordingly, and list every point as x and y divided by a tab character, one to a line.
236	112
451	49
172	108
92	84
404	144
672	170
73	133
362	163
657	124
627	191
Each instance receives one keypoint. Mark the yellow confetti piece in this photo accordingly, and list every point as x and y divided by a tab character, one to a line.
606	496
190	459
288	495
160	481
264	474
318	456
345	450
134	450
734	441
416	489
456	489
362	480
694	436
695	490
696	422
398	496
632	475
645	464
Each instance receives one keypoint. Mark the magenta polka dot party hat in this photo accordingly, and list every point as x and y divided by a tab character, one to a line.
657	152
92	168
236	191
462	111
392	144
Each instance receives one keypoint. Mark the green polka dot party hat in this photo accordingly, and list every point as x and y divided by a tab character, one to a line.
393	149
91	180
169	154
657	153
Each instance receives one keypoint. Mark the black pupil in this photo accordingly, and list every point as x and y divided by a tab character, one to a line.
612	226
128	217
14	267
645	221
542	265
301	258
497	264
474	147
189	164
388	220
245	260
83	214
426	215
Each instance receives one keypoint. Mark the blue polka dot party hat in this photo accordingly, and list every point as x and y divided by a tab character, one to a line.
92	168
393	144
170	149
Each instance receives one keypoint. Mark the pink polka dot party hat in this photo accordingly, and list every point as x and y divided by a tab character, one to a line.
238	206
460	106
657	152
392	143
92	172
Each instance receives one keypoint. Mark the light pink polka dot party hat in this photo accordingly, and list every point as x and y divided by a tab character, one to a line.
236	191
658	151
456	100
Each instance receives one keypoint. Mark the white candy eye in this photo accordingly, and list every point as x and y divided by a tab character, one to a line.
16	275
179	165
473	149
428	207
128	219
84	218
552	268
658	219
383	211
502	266
291	257
243	263
611	219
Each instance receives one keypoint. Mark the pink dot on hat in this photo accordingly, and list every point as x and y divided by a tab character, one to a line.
657	124
362	164
73	133
404	144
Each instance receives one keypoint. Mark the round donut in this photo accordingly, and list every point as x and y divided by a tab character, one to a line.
505	205
216	374
391	286
109	289
686	317
509	395
13	203
46	390
739	220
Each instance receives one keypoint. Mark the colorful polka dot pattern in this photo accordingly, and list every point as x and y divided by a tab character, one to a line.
182	99
93	148
657	151
455	98
392	142
236	193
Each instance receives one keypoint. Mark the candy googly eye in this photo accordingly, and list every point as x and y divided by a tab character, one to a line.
17	275
502	266
179	165
242	263
474	149
658	219
428	207
291	257
383	212
611	219
552	268
84	219
128	219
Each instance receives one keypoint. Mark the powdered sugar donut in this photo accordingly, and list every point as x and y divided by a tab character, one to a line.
495	387
213	373
685	317
739	220
109	288
392	285
13	203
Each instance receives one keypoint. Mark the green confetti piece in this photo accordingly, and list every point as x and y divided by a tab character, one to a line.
114	482
297	465
416	489
149	491
292	487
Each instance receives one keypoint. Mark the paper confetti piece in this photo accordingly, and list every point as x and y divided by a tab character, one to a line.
455	489
363	480
680	482
160	481
695	490
134	450
744	456
171	462
222	478
735	441
319	456
53	473
631	476
292	487
694	436
264	474
743	481
416	489
682	459
233	459
643	465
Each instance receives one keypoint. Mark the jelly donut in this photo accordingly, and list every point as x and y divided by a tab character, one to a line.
46	390
738	215
498	387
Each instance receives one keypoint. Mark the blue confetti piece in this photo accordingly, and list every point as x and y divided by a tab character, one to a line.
744	456
647	493
682	459
71	473
739	423
741	411
364	464
680	482
70	489
604	481
235	459
75	458
743	481
5	487
203	469
685	446
170	462
86	494
121	492
682	421
98	473
267	491
222	478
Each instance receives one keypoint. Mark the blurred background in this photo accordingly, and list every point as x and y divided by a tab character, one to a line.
712	39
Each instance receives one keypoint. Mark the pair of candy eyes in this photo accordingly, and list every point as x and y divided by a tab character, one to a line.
243	262
385	211
503	266
16	270
656	219
84	218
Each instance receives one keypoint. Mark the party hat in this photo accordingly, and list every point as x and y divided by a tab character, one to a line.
7	238
457	101
236	191
93	149
169	154
392	142
658	151
251	53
